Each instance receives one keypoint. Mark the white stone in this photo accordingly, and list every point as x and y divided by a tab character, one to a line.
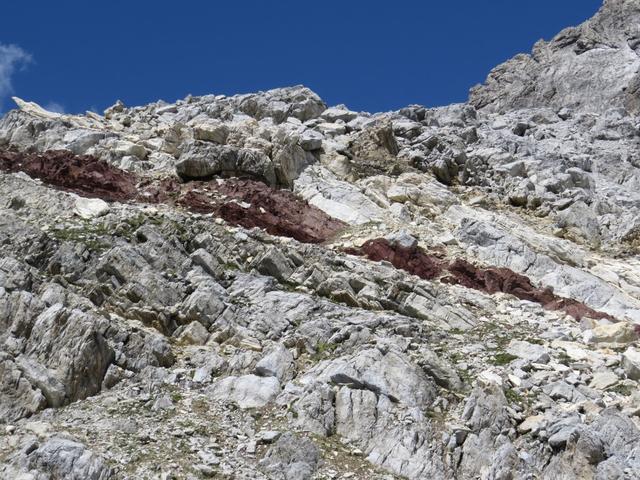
248	391
89	208
615	334
211	132
528	351
194	334
487	376
34	109
603	380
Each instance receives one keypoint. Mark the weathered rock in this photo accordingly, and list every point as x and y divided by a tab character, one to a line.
277	363
275	264
563	69
203	161
528	351
193	334
80	174
603	380
20	398
311	140
385	374
291	458
88	208
248	391
211	132
631	363
60	457
616	334
277	211
442	372
531	424
289	162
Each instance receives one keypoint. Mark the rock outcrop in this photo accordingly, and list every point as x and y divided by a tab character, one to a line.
560	74
261	286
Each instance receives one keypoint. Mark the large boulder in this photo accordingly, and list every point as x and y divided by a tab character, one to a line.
292	457
248	391
281	103
57	458
384	372
631	363
65	347
202	160
277	363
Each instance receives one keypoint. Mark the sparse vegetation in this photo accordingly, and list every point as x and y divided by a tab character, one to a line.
503	358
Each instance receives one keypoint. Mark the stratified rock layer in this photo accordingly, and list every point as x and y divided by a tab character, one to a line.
261	286
84	175
255	204
460	272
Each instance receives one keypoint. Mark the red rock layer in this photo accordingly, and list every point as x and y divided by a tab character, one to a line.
246	203
279	212
251	203
461	272
81	174
412	260
493	280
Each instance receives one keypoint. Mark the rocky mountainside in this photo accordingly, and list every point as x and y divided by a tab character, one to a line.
264	287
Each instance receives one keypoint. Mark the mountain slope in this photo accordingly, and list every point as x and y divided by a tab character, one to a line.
261	286
592	67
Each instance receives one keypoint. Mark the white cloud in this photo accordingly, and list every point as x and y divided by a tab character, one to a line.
12	59
54	107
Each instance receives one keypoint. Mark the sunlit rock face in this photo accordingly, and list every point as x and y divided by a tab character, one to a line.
264	286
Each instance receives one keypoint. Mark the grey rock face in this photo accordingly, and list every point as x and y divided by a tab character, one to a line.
278	363
560	73
193	334
203	161
20	398
389	374
59	356
631	363
59	458
297	102
527	351
291	458
475	317
248	391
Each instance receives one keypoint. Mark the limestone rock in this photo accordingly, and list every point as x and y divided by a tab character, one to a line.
291	458
631	363
528	351
614	334
211	132
448	292
248	391
88	208
278	363
603	380
193	334
63	458
562	69
199	160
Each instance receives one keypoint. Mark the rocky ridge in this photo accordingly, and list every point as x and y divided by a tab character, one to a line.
262	286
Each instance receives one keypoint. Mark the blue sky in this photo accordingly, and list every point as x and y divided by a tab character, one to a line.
371	55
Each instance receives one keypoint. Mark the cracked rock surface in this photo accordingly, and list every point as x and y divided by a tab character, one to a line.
263	286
